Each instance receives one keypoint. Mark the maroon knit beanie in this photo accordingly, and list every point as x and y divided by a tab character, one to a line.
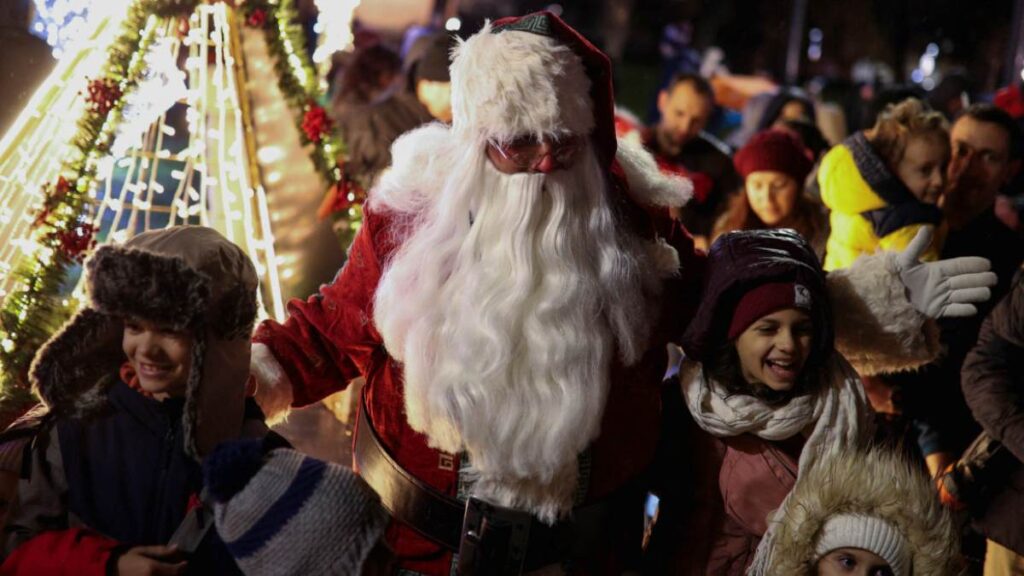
764	300
775	150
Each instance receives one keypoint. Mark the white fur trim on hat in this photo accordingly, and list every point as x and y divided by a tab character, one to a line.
513	83
866	533
648	185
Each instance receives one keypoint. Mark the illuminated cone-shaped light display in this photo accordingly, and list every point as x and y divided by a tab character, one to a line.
145	123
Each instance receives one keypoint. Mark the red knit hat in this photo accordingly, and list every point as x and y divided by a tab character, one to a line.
764	300
775	150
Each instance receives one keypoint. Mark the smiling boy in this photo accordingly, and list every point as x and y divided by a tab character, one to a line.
140	385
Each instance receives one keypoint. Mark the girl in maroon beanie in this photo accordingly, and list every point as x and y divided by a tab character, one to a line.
774	165
762	396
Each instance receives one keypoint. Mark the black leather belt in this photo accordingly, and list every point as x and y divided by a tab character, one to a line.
472	528
433	514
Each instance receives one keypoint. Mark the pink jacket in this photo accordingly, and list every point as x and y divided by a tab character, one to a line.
711	522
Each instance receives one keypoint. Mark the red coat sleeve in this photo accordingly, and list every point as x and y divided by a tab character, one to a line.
329	339
75	551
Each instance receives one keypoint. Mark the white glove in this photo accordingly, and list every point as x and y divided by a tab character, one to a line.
947	288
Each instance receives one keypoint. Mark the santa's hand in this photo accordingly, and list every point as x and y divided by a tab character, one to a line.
946	288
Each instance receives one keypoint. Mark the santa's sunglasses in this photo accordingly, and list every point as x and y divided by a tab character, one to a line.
526	152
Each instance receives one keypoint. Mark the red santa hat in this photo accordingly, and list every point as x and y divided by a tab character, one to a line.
532	75
536	75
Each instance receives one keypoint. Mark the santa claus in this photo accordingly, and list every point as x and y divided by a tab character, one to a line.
509	304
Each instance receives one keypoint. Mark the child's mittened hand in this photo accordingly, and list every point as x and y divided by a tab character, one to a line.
946	288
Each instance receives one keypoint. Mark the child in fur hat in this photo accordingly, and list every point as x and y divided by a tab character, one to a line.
865	512
764	397
139	385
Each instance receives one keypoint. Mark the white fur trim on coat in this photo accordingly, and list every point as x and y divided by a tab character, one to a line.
273	388
664	257
648	185
513	83
422	158
878	330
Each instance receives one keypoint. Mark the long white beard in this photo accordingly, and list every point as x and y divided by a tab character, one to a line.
506	305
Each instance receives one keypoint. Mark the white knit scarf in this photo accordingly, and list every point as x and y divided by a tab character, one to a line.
837	416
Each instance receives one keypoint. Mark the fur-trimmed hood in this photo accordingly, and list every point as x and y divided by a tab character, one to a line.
877	483
187	278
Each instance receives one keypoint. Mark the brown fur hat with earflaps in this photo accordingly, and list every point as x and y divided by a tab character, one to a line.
185	278
875	483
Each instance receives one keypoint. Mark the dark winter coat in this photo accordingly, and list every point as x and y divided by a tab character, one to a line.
111	469
111	482
993	385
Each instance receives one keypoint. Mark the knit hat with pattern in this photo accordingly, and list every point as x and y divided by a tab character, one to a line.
288	513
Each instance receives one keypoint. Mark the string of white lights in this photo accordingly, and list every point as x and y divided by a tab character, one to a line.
214	180
36	144
215	184
334	26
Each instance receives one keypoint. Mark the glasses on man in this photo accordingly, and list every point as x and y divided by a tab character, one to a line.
526	153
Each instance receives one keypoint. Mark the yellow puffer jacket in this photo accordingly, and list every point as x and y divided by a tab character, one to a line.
862	220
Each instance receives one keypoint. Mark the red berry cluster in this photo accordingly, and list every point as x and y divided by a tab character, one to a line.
52	197
349	194
76	241
315	123
103	95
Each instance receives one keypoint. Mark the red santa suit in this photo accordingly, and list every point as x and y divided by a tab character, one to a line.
331	337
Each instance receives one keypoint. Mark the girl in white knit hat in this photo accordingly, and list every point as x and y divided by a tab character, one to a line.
865	513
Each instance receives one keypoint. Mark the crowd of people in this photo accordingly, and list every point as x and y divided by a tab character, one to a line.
808	351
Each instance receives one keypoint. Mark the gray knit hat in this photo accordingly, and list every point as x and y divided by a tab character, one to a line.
287	513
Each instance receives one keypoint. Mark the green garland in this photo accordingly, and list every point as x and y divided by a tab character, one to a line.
35	309
286	44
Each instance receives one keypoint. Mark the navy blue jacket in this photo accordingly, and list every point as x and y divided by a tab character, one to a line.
129	477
